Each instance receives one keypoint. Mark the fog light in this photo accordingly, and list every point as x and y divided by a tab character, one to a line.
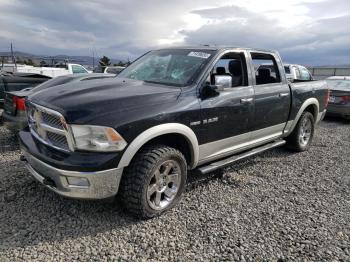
78	181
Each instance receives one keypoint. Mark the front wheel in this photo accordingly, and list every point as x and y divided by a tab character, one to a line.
301	137
154	181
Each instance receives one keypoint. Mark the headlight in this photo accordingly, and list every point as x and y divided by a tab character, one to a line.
97	138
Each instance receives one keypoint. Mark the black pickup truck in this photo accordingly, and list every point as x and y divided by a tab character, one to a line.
170	111
18	81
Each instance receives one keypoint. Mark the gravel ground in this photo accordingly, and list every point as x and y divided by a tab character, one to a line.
277	206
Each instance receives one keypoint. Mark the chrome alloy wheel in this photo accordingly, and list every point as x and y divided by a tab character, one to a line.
305	131
164	185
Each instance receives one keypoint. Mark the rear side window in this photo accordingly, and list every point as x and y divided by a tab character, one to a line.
304	74
266	69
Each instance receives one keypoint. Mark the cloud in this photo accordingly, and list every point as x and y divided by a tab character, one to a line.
304	31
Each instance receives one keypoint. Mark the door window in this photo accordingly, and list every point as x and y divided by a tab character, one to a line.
232	65
266	69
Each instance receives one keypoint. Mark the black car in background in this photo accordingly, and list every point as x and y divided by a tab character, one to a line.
18	81
339	100
14	115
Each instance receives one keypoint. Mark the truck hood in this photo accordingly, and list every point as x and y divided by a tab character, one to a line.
89	102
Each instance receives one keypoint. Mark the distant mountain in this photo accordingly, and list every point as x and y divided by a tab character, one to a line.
84	60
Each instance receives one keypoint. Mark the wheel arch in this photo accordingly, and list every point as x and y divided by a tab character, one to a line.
311	105
158	133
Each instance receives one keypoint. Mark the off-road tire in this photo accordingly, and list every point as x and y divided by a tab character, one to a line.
137	176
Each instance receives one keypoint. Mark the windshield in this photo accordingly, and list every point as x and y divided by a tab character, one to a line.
345	84
177	67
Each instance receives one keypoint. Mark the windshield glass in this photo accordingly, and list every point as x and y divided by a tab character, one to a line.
345	84
177	67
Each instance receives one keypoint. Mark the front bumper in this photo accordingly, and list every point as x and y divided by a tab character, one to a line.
14	123
100	184
76	174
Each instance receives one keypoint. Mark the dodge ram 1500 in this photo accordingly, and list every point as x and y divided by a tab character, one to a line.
170	111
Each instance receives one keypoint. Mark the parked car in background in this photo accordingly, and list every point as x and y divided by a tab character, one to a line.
59	70
18	81
170	111
297	73
14	115
339	99
114	69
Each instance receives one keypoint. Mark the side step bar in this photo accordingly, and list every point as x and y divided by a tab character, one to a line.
228	161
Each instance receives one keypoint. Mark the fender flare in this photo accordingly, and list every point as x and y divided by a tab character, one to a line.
310	101
156	131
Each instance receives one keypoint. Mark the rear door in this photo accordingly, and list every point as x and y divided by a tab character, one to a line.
272	95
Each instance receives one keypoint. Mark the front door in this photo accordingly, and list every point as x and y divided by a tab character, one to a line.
227	117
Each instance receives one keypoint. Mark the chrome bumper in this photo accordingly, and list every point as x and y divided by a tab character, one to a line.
99	185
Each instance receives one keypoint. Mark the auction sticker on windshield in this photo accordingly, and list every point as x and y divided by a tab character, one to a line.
199	54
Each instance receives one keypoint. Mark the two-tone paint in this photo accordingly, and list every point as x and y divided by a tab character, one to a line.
210	127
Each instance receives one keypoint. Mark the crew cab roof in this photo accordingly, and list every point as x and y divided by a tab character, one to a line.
219	48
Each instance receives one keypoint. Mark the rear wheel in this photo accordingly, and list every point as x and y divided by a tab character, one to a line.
154	181
301	137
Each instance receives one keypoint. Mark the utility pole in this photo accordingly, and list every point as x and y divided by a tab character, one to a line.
93	60
13	57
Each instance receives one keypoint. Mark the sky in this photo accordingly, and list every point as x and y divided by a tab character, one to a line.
310	32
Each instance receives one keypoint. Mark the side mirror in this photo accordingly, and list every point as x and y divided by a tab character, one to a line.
223	81
209	90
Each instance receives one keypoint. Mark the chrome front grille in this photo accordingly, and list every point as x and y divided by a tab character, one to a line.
49	127
58	140
52	120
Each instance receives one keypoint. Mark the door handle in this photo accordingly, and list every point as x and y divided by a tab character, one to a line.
284	94
246	100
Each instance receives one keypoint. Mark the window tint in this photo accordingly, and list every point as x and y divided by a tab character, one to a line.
233	65
266	69
78	69
304	73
